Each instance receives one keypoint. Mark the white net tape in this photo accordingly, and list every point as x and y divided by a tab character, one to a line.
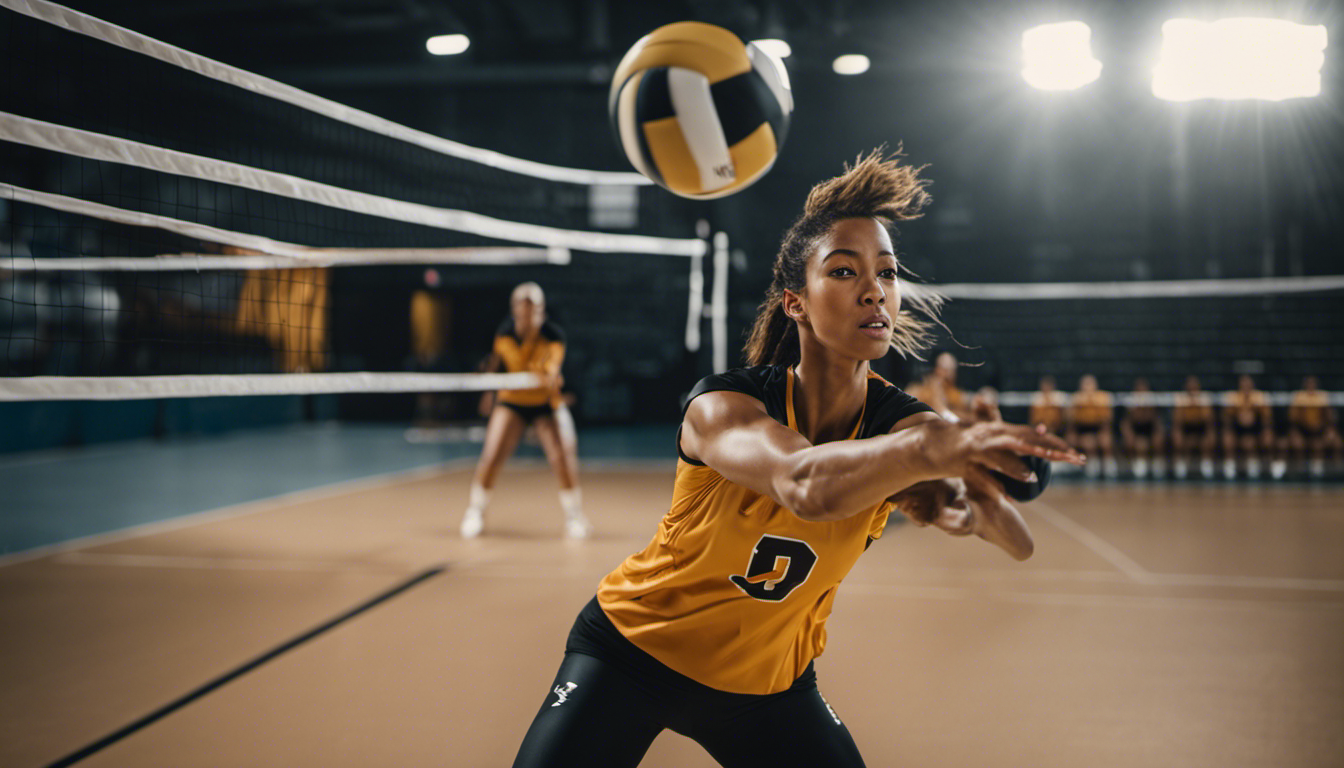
155	387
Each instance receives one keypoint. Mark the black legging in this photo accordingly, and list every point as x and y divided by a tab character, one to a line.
605	712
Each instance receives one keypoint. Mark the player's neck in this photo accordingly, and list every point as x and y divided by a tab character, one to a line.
828	396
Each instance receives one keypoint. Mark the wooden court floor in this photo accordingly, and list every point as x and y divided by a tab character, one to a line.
1191	626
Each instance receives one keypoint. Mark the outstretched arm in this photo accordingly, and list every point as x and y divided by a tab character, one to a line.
733	434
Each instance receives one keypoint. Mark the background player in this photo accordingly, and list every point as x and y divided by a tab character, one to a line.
1312	431
788	471
1091	414
1193	430
938	390
1047	406
1248	428
528	342
1142	436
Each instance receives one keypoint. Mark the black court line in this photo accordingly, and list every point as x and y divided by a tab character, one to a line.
231	675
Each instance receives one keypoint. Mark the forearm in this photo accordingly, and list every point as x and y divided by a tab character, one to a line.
839	479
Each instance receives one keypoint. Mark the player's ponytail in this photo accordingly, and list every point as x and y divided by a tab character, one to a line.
873	187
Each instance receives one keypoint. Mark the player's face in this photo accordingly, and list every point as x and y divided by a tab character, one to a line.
526	314
946	367
852	294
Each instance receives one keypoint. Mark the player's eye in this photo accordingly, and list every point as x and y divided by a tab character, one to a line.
888	274
842	272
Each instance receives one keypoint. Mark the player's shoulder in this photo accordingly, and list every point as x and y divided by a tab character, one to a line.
552	332
766	383
887	404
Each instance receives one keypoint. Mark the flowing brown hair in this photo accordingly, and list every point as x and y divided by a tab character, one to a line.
874	187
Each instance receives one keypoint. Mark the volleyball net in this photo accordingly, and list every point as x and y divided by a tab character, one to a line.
1277	330
172	226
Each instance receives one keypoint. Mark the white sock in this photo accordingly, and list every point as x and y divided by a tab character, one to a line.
479	498
571	501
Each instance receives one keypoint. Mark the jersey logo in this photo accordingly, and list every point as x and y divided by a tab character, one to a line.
562	693
777	567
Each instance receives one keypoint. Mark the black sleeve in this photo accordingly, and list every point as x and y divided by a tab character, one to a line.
551	332
506	327
888	405
763	382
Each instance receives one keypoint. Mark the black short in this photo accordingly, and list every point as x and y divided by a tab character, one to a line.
1087	429
1193	430
1246	430
529	413
610	700
1143	428
1310	434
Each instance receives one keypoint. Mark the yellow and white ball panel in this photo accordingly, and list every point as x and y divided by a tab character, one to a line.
697	138
712	51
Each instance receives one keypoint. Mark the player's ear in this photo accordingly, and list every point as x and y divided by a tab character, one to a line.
793	306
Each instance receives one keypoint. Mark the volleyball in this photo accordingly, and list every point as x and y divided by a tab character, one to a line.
698	111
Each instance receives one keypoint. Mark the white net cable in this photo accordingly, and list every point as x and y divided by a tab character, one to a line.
287	254
84	24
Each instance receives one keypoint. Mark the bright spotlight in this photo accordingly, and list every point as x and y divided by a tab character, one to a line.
1058	57
447	45
850	64
1267	59
775	47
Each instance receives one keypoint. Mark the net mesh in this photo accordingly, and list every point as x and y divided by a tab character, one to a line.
241	173
1216	332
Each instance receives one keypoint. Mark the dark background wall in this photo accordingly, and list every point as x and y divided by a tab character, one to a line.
1105	183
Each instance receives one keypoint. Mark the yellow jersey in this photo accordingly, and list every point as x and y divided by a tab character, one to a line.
543	353
1310	410
734	589
1048	408
1192	409
1091	409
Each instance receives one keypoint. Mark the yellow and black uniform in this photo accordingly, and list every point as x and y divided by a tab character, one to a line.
1245	412
1091	411
1048	408
1192	413
1309	412
1142	413
542	354
711	629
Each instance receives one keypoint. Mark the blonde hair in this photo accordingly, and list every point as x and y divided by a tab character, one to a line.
874	187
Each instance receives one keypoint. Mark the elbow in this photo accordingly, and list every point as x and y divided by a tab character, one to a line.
1025	551
812	497
1021	548
802	497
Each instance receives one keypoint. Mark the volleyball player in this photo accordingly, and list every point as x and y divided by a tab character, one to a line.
787	472
1141	434
1091	415
1193	431
1248	428
1047	406
1312	431
938	390
528	342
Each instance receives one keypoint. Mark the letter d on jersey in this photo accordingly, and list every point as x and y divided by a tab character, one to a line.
777	567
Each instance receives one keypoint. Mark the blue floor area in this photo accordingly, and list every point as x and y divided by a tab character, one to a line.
48	497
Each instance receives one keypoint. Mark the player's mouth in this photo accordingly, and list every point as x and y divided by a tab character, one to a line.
877	326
